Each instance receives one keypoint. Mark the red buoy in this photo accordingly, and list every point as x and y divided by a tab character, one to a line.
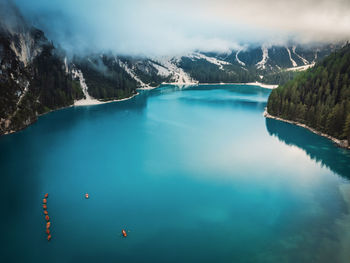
44	201
47	218
47	231
86	195
124	233
45	207
49	237
45	212
46	195
48	224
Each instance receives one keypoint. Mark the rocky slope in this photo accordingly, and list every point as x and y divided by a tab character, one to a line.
33	78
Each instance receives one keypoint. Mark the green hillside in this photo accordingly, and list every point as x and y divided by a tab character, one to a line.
319	97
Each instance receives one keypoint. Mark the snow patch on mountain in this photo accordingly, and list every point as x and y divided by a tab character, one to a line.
212	60
66	65
261	64
316	56
21	96
162	71
301	68
88	100
132	74
179	76
23	93
290	58
302	59
238	60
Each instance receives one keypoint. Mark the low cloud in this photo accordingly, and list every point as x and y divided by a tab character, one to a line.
159	27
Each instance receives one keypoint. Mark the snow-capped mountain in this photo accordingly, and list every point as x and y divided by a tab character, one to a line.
250	64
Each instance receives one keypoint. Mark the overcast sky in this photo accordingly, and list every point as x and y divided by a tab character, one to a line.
170	27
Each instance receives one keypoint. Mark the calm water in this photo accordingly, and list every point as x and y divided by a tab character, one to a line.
194	174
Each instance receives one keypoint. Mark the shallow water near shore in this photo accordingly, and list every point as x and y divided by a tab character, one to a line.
194	174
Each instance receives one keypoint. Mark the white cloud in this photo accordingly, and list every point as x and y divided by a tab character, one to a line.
167	27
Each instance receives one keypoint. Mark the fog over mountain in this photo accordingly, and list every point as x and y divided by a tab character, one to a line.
158	27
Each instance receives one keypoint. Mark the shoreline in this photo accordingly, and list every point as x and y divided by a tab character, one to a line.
98	102
168	83
85	102
94	102
262	85
341	143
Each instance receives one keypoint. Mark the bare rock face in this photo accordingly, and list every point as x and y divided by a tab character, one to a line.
33	77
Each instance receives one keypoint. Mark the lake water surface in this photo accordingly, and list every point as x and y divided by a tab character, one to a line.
194	174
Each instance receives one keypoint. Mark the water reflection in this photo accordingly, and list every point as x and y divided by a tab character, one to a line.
318	148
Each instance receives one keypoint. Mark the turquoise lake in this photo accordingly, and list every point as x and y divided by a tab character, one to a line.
194	174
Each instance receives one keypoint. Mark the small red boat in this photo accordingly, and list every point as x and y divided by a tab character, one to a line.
124	233
48	237
45	212
46	195
47	218
48	224
47	231
44	201
45	207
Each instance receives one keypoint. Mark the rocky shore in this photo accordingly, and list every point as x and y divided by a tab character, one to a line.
340	143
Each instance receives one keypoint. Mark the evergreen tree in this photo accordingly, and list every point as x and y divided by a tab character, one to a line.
319	97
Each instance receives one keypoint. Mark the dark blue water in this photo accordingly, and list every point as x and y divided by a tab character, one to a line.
194	174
